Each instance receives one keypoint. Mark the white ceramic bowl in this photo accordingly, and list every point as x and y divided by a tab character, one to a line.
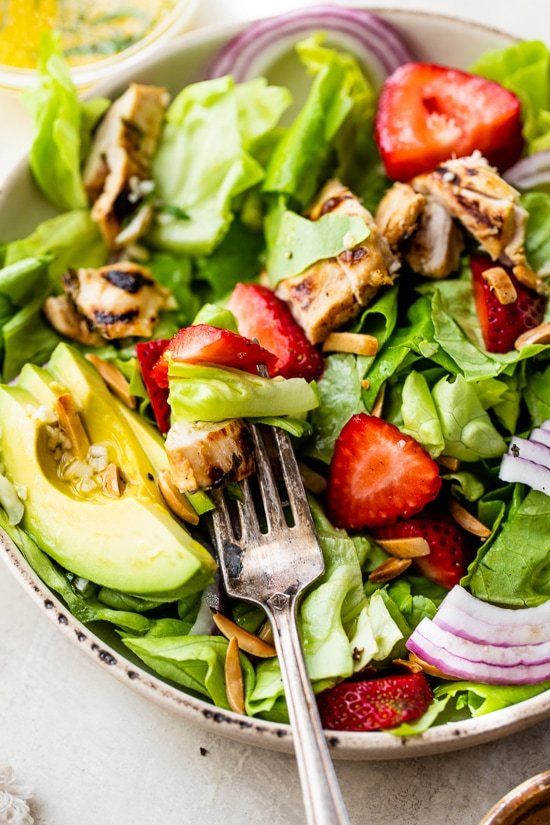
432	37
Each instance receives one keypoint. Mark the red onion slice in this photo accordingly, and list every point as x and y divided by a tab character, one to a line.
453	665
541	436
545	425
531	172
531	450
520	470
488	654
369	37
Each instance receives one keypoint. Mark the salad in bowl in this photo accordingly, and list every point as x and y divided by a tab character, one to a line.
364	269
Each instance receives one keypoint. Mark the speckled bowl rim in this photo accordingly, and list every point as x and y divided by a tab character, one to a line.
252	731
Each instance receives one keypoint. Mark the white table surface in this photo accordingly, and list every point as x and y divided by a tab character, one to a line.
98	754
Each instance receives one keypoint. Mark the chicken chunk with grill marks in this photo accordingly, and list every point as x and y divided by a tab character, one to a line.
398	213
117	300
64	317
204	455
331	292
121	154
434	249
487	206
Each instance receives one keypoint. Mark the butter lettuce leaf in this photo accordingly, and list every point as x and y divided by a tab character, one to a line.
537	241
481	699
206	393
515	569
206	158
537	396
237	258
176	273
420	416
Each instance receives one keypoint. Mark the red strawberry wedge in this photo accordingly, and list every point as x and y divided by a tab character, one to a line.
376	704
378	475
428	113
263	316
451	548
502	324
148	354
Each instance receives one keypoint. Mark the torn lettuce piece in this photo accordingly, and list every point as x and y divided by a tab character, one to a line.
537	396
537	242
465	485
419	413
216	316
20	280
481	699
467	429
176	273
515	569
339	398
237	258
207	393
205	158
27	338
295	243
62	128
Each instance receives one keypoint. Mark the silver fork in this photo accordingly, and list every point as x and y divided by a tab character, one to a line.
272	569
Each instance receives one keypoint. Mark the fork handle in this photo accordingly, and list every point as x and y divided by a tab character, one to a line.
320	789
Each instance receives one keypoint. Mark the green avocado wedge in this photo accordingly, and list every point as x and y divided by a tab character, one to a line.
131	543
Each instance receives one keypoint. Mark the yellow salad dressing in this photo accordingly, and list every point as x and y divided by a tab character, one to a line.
88	29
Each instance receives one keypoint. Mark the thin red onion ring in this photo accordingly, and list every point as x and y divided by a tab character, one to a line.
530	172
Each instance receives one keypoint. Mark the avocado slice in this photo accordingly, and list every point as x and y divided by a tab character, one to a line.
131	543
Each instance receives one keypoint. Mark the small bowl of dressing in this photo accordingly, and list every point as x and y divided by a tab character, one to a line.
528	804
95	35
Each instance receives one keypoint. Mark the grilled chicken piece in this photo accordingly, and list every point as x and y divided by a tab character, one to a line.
66	319
398	213
487	206
118	300
121	156
204	455
331	292
434	249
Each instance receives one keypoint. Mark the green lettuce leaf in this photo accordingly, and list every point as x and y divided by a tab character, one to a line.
235	259
537	396
467	429
205	158
515	569
216	316
19	281
379	320
339	398
525	70
176	273
465	485
537	242
482	699
420	417
295	243
60	128
205	393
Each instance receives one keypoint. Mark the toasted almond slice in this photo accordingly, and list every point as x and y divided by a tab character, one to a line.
405	548
265	633
176	501
246	641
537	335
501	284
114	379
467	521
450	463
234	677
112	482
414	667
378	405
365	384
527	277
389	570
431	670
353	342
71	424
314	482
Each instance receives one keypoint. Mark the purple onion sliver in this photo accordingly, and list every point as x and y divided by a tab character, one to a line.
530	172
531	450
504	636
520	470
545	425
478	609
541	436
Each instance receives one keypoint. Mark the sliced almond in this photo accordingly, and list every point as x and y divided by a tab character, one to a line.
527	277
467	521
450	463
405	548
431	670
112	482
414	667
265	633
378	405
389	570
365	384
176	501
234	685
114	379
353	342
314	482
71	424
537	335
246	641
501	284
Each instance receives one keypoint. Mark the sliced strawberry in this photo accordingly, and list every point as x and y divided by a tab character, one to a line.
148	354
502	324
203	344
375	704
451	548
428	113
378	475
261	315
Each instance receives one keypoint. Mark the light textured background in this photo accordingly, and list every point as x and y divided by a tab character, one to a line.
98	754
